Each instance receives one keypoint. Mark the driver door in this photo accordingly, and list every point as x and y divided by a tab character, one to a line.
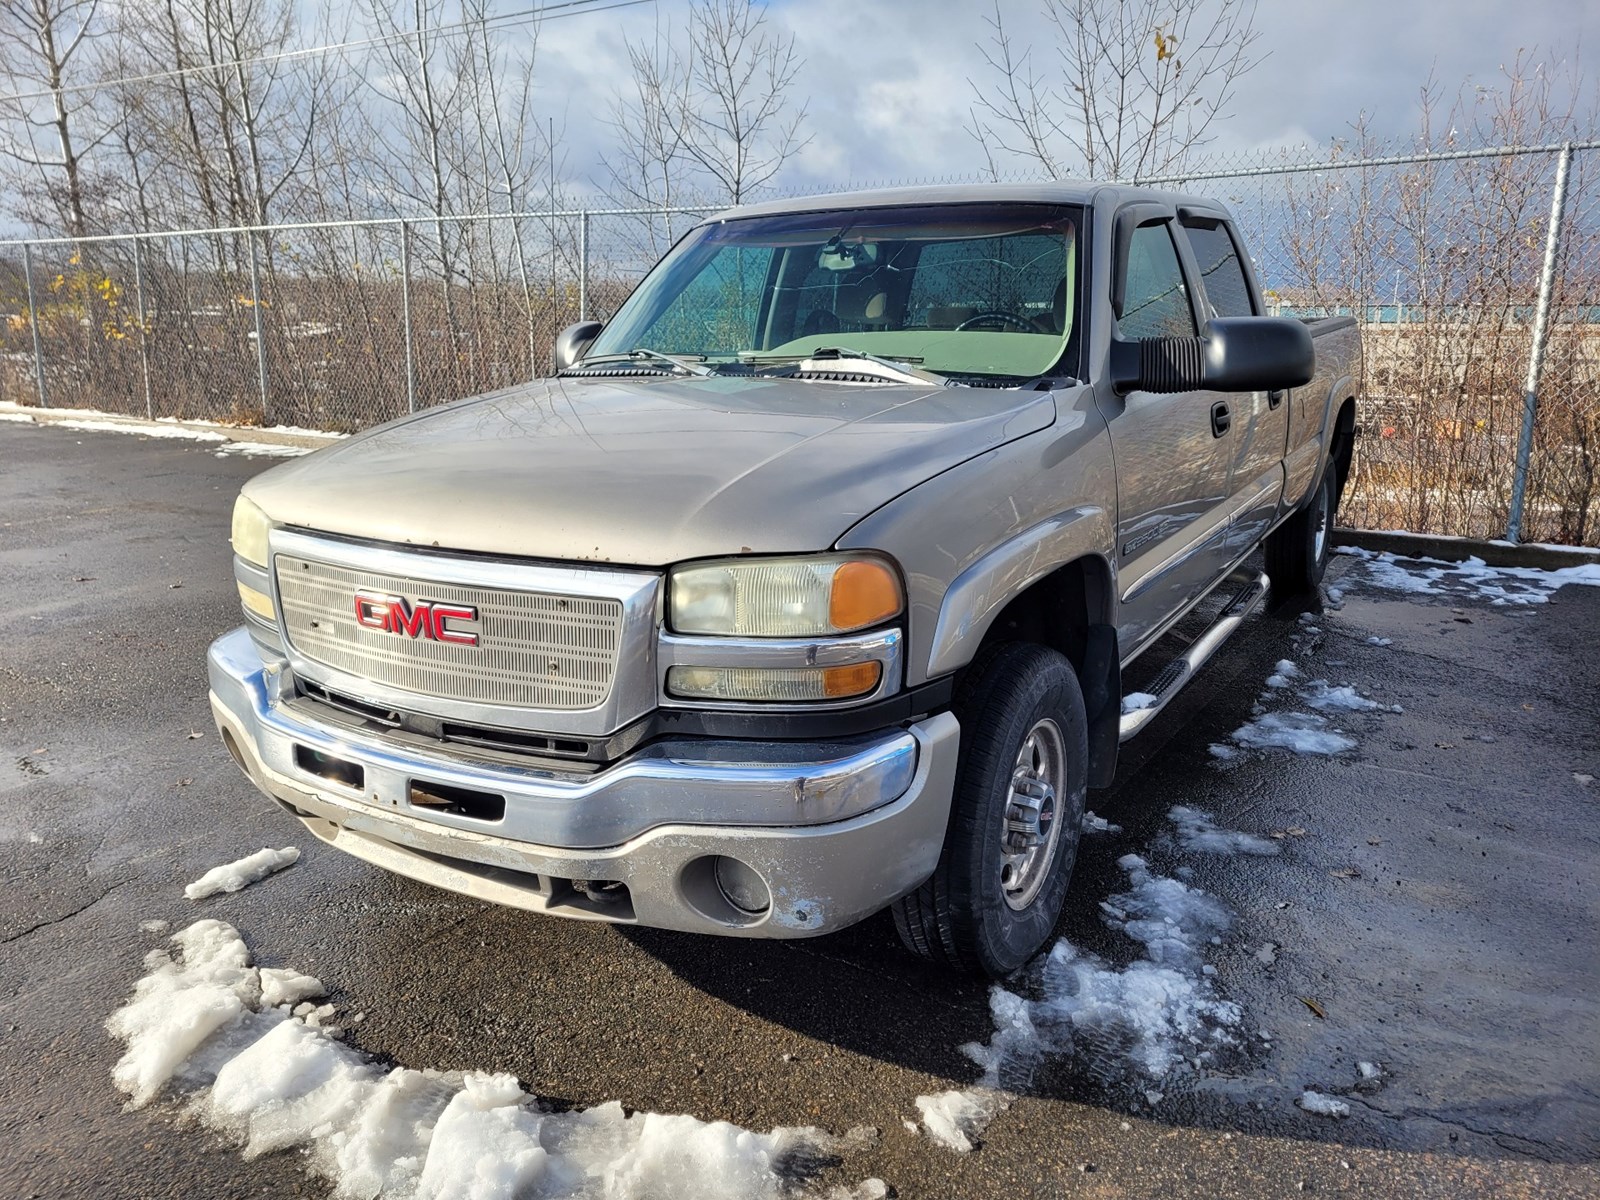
1173	457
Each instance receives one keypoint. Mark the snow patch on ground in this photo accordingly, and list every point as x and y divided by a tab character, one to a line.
1324	697
1472	579
1323	1106
1299	733
285	985
262	450
198	1024
143	429
956	1119
1282	674
234	876
168	427
1139	1021
1097	824
1198	831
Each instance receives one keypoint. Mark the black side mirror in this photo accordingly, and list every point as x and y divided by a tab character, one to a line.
1232	354
573	342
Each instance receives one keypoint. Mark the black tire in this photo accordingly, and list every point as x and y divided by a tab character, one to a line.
962	917
1296	554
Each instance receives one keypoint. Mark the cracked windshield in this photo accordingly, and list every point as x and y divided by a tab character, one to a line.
983	292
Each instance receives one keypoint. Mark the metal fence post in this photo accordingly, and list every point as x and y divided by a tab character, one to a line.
33	323
1541	332
405	314
144	342
261	340
583	266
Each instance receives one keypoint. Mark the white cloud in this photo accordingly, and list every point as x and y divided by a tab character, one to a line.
888	92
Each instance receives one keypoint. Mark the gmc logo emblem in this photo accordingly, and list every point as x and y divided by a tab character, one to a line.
424	619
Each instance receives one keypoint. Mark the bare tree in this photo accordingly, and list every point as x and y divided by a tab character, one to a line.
646	161
39	39
738	127
1125	88
710	108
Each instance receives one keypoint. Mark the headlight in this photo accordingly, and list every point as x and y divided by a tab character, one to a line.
250	526
783	597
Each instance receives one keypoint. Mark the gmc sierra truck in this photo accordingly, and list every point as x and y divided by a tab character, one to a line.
807	586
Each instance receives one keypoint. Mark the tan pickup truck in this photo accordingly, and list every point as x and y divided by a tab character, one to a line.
806	586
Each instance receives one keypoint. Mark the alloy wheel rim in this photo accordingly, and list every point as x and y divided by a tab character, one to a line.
1324	522
1031	823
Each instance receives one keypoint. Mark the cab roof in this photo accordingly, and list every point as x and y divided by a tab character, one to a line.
1060	191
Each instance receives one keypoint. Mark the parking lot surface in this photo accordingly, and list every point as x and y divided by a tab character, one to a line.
1430	911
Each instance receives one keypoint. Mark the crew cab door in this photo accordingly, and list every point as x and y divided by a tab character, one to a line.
1174	452
1260	420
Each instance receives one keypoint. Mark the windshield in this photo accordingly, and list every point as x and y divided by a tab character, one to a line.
981	290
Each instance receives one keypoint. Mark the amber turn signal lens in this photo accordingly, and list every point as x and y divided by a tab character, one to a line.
855	680
864	593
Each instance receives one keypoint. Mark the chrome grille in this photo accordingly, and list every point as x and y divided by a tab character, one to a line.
535	650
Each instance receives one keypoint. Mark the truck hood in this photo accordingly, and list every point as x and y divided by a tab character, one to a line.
644	471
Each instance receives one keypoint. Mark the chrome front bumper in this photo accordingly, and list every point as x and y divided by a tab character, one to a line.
835	830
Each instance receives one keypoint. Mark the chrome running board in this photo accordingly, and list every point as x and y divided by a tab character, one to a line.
1172	677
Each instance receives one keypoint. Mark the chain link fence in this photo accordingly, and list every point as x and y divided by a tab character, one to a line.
1445	259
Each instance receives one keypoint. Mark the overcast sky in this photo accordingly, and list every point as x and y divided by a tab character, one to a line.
887	80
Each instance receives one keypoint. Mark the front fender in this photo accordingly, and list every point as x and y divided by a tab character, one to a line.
978	594
972	538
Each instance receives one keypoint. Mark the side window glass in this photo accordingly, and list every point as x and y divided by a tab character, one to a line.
1220	270
1155	303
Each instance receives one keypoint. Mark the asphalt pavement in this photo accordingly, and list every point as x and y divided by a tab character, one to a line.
1433	910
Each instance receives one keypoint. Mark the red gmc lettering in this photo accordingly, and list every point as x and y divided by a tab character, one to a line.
372	612
453	612
413	622
424	619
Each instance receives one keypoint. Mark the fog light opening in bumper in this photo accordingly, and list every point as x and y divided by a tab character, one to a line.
234	752
741	886
330	767
725	890
457	801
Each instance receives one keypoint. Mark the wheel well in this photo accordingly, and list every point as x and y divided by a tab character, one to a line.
1058	610
1344	440
1070	610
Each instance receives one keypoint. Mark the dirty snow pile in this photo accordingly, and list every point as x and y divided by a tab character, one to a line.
1198	831
89	420
262	450
957	1118
1299	732
1158	1014
1472	579
1323	1105
235	876
203	1027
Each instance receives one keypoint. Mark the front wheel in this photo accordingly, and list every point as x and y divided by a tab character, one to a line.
1297	551
993	900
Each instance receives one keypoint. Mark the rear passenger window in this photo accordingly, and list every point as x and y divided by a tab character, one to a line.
1154	302
1221	271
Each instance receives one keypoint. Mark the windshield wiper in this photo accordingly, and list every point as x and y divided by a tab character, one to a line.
680	362
821	359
